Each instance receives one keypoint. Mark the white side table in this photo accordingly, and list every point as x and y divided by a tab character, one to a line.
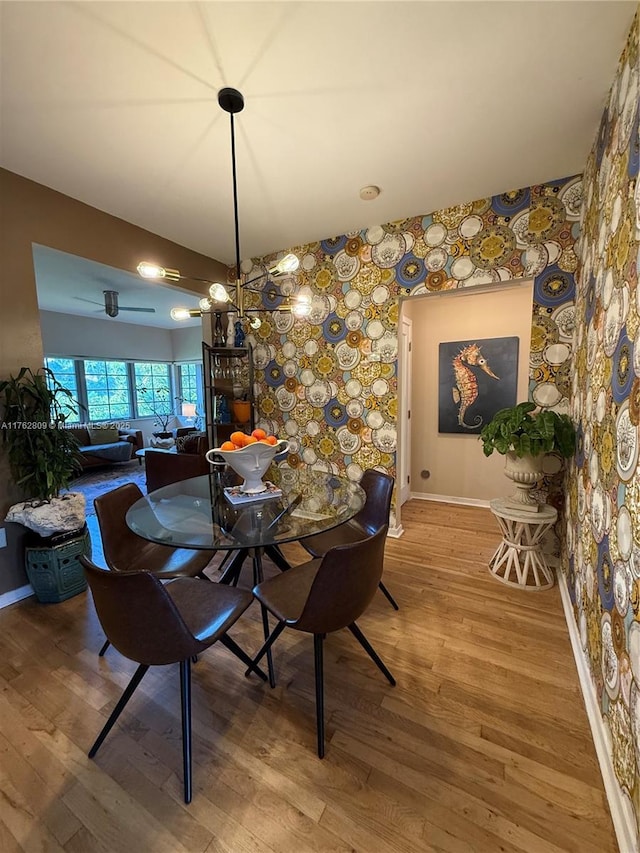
520	552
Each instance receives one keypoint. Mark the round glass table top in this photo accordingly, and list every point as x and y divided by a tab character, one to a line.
199	513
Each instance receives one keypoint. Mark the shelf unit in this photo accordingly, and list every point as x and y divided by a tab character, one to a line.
228	376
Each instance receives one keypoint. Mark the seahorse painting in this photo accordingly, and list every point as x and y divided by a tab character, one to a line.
465	391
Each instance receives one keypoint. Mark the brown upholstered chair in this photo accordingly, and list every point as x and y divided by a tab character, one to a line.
155	624
162	469
124	551
325	595
378	487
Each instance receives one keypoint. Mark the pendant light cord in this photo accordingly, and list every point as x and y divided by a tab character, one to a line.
235	196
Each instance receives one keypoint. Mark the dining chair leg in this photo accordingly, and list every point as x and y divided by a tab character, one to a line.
388	596
104	648
267	645
317	654
185	702
366	645
233	647
128	693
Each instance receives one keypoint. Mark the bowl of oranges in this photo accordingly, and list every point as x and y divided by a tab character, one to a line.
249	455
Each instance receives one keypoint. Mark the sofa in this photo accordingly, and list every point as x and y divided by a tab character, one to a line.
107	445
187	461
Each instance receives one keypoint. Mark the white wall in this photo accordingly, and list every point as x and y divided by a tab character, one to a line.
186	343
86	337
458	468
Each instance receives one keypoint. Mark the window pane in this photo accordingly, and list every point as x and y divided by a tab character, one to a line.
107	390
191	389
153	392
64	371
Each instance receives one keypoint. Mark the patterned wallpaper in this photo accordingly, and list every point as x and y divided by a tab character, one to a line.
329	383
603	501
318	384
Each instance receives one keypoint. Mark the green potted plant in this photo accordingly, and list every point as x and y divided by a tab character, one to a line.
524	435
43	458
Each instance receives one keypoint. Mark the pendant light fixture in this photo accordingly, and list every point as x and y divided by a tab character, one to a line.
224	298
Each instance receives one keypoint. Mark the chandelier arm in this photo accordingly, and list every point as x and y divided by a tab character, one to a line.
270	288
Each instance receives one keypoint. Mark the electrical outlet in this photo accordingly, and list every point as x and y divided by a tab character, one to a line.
3	537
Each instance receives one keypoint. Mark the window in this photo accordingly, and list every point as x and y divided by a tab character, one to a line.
190	384
108	390
122	390
64	370
152	389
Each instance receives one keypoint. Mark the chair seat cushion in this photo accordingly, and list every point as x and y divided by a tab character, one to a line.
285	595
167	562
208	609
116	451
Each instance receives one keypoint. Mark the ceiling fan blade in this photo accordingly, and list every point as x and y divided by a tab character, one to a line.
146	310
92	301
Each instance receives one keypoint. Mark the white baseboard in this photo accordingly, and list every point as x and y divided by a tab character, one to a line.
621	810
396	531
447	499
14	595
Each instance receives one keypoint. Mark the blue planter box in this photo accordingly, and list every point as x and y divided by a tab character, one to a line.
53	567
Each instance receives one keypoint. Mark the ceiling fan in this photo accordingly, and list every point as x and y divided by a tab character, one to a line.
111	306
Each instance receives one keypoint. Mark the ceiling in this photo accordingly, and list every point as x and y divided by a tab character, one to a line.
115	104
72	285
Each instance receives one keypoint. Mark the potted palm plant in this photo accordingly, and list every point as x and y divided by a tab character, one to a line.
524	435
43	458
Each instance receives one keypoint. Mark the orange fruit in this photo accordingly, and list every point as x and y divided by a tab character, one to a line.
227	445
271	439
259	434
250	439
238	438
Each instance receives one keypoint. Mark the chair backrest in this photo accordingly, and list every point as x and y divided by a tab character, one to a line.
139	617
344	585
378	488
163	469
120	544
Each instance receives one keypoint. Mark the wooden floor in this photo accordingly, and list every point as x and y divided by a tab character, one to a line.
482	746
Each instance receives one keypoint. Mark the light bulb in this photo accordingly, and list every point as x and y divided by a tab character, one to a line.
205	304
289	263
301	306
180	314
149	270
219	293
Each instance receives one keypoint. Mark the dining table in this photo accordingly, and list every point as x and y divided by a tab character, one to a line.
198	513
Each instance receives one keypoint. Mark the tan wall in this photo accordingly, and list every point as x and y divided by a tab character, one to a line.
457	464
31	213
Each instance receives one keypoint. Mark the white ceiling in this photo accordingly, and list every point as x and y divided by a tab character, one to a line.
73	285
115	104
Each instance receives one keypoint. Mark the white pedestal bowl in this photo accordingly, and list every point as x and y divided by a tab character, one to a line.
250	462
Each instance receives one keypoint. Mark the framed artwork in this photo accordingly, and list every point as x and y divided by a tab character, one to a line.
476	378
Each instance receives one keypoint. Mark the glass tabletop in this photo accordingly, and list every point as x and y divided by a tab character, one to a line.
197	513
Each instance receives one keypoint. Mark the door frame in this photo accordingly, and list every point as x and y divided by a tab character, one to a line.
405	332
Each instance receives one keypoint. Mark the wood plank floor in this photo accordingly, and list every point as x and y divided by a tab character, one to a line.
482	746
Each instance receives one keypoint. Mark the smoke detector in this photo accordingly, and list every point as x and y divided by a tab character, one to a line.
369	193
